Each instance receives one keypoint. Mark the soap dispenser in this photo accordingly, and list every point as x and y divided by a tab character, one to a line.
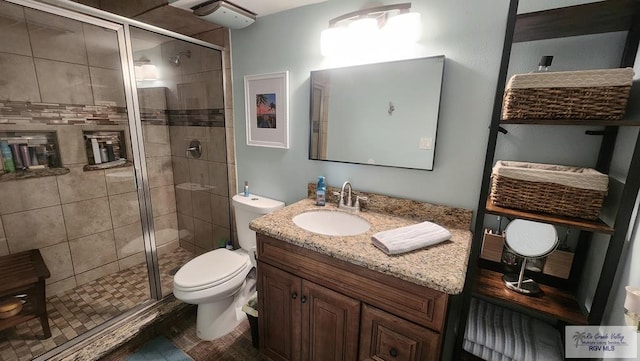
321	192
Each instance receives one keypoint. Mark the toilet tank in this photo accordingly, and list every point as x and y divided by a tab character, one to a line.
245	210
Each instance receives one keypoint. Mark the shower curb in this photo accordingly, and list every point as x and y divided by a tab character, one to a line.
141	323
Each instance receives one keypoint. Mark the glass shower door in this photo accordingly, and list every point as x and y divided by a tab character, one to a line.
70	190
180	96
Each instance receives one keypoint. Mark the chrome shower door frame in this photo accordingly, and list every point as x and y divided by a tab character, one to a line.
121	26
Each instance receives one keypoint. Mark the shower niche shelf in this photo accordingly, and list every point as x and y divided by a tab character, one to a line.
105	149
34	154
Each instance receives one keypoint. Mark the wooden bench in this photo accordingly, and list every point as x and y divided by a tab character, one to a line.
24	273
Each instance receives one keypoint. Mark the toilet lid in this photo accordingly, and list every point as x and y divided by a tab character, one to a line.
211	269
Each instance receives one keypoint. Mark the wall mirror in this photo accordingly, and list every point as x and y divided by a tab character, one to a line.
382	114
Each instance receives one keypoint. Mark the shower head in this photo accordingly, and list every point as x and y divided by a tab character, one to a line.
175	60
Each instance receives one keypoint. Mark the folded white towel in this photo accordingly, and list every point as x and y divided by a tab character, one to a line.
410	238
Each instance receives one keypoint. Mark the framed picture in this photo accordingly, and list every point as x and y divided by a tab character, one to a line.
266	99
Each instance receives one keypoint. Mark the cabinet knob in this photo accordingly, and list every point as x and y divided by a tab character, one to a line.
294	295
303	299
393	352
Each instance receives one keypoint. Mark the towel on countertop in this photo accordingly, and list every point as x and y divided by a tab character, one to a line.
410	238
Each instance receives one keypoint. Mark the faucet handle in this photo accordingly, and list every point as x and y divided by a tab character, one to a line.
358	199
339	195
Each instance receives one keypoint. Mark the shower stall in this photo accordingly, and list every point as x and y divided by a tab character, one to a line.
123	163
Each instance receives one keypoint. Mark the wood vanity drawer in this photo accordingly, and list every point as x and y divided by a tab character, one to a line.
386	337
419	304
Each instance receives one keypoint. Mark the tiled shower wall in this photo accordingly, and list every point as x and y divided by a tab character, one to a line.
87	224
193	96
196	112
49	59
202	190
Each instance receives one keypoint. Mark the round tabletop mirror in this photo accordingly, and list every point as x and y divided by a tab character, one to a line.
528	239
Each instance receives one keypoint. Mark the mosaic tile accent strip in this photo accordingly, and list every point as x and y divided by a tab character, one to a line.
88	306
197	117
188	117
154	116
14	112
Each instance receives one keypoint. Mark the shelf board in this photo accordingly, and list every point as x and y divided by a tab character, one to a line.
26	314
582	224
592	18
586	122
552	302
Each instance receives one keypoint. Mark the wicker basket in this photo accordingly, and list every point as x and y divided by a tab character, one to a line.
554	189
10	307
576	95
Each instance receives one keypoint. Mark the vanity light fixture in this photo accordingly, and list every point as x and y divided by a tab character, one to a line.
377	27
145	70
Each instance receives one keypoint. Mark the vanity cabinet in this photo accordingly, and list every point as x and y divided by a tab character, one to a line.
303	320
315	307
558	301
384	336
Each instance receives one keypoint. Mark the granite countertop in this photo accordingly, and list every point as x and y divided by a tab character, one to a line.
441	267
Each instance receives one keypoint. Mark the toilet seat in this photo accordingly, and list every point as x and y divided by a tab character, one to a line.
211	269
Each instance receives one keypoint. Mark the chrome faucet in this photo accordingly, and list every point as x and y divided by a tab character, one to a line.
347	203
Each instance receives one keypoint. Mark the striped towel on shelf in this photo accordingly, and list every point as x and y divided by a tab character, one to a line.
410	238
494	333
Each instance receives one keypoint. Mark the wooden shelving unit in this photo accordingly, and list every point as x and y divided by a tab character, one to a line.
588	122
552	302
597	226
595	18
555	303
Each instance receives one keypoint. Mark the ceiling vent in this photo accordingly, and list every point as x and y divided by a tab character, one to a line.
225	14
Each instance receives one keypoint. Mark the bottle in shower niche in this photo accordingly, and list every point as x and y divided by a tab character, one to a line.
52	156
17	159
321	192
26	157
9	166
110	153
104	154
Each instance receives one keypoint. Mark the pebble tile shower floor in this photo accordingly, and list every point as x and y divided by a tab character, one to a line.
88	306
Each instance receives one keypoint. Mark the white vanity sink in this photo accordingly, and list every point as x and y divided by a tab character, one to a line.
331	223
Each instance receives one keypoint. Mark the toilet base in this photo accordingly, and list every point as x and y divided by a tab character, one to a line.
217	319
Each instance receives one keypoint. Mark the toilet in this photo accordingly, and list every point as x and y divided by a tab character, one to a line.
219	281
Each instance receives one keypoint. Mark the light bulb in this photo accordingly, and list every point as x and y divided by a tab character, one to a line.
332	41
404	28
362	35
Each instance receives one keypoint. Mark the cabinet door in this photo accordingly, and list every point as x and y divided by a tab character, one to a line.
330	322
387	337
279	313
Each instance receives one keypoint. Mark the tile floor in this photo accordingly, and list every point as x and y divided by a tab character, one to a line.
87	306
235	346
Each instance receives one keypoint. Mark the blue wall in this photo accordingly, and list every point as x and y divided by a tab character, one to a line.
469	34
